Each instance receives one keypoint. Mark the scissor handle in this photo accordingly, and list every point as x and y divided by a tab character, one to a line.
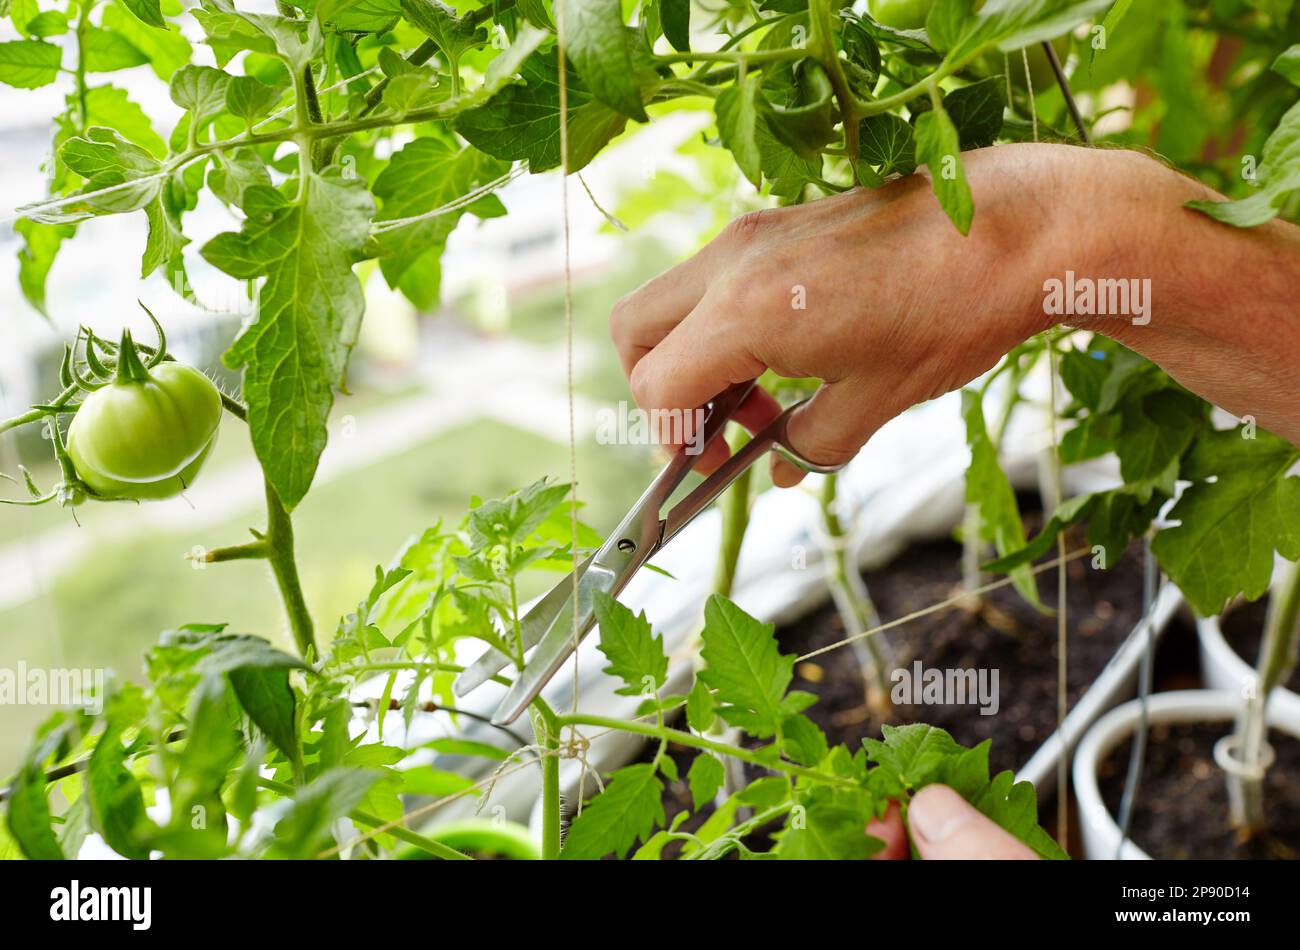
772	437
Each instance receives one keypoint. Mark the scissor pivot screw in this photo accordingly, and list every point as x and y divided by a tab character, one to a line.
627	545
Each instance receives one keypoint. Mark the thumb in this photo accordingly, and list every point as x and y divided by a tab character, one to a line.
946	827
828	429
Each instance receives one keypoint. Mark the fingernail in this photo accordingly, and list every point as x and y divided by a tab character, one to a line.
937	813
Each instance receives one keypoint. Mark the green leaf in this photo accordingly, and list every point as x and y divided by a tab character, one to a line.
522	122
239	170
915	754
938	147
1014	806
635	654
1014	24
706	776
427	174
116	801
164	44
1228	528
824	827
451	746
452	35
1277	177
739	115
802	740
675	18
200	91
147	11
249	98
887	141
231	31
1288	64
304	831
41	244
28	816
107	51
1156	429
234	651
989	490
29	64
601	50
265	694
309	312
699	707
745	668
945	22
360	16
49	23
977	110
627	811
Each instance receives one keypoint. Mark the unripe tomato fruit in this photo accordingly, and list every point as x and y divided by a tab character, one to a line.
145	438
900	14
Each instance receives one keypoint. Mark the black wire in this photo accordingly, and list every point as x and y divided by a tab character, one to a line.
1064	83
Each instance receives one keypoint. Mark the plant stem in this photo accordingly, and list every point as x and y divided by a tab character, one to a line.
699	742
823	46
852	600
546	727
1277	657
280	554
735	519
748	57
83	108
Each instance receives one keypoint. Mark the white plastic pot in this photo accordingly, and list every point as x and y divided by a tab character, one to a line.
1101	836
1223	668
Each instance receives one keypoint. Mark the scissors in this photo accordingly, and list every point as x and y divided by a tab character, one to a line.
550	625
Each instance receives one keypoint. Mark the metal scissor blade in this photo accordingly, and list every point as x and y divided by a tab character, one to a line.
557	645
532	626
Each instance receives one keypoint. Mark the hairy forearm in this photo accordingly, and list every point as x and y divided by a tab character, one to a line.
1223	303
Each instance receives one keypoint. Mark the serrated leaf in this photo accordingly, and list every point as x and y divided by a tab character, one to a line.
1229	528
939	148
309	312
914	753
626	812
827	827
453	35
427	174
521	122
802	741
706	776
29	64
977	110
745	668
601	49
201	91
635	654
249	98
887	141
165	46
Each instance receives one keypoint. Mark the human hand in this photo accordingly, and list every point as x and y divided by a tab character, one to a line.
878	295
945	827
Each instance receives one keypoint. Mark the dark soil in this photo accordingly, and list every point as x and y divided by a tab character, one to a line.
1243	628
1182	806
1006	634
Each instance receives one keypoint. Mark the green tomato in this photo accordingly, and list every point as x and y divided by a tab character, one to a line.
900	14
147	438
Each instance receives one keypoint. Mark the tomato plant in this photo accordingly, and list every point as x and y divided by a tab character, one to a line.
344	132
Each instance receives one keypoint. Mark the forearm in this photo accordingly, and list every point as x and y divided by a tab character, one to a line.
1223	303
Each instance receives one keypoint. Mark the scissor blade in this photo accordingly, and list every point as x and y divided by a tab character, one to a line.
532	626
557	645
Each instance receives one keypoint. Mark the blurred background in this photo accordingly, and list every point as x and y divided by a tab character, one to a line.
466	398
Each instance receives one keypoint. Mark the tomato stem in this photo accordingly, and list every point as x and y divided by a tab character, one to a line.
130	369
280	555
